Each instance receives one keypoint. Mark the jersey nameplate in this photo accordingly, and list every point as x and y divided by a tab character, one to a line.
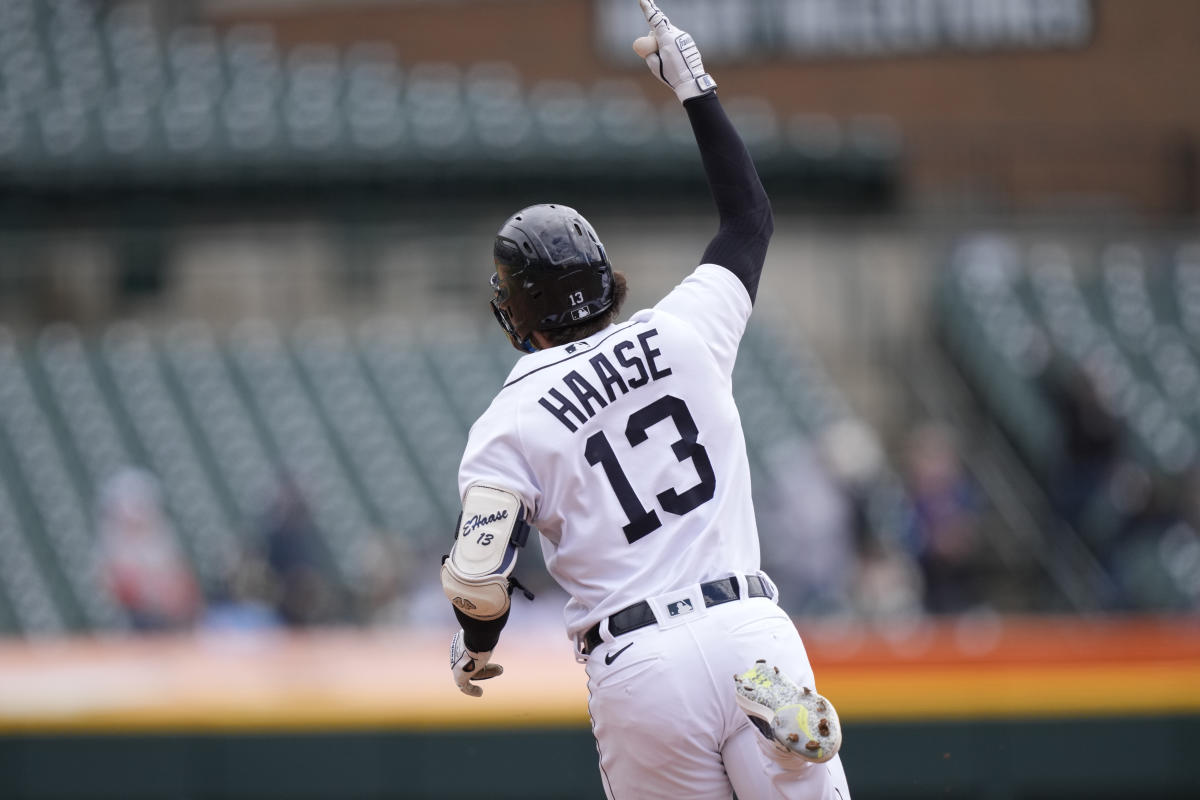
638	363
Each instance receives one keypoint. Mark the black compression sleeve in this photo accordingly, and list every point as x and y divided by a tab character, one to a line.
479	635
745	212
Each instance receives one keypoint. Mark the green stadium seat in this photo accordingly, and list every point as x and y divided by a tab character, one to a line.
311	104
628	122
436	111
565	117
351	407
372	103
191	497
758	124
993	317
135	50
207	397
1186	287
431	431
28	600
56	505
286	410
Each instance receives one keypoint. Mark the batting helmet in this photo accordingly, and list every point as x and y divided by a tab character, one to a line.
551	272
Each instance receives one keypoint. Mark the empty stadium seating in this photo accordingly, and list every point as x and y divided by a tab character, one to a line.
369	420
102	96
1029	323
1120	317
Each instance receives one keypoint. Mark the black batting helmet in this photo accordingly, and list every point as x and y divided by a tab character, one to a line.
551	272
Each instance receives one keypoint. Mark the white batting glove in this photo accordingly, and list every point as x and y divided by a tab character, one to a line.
672	55
467	666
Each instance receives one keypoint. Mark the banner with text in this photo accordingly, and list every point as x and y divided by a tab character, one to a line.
752	29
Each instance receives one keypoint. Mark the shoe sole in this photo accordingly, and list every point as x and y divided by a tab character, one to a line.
800	721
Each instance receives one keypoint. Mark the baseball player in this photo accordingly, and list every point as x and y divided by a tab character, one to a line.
621	443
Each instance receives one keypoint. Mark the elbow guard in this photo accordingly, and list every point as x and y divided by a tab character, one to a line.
475	576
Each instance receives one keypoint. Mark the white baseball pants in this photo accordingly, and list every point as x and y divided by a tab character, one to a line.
665	719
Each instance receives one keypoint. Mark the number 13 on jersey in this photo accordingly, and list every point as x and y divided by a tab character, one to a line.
686	449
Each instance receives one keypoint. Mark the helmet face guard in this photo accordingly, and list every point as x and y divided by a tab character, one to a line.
551	272
500	294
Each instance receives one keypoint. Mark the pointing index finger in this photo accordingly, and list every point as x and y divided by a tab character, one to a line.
654	14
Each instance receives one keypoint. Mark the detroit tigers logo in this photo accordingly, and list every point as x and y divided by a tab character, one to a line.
479	520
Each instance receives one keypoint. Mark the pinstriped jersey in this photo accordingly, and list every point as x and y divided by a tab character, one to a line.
627	451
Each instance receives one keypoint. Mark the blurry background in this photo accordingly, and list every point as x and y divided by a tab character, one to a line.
244	251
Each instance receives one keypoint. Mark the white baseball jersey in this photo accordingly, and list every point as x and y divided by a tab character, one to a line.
627	451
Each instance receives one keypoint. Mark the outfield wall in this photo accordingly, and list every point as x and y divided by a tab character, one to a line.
988	709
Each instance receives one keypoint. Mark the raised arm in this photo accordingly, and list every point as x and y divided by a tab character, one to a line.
746	222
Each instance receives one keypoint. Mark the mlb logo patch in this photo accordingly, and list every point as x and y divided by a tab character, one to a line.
679	608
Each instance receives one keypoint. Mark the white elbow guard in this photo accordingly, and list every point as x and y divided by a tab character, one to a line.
475	574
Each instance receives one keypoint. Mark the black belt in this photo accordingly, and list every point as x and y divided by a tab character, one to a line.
639	615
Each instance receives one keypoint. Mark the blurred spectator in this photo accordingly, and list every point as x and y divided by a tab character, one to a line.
945	524
853	456
1132	515
1091	447
1191	498
292	547
808	541
1149	539
141	562
888	585
240	601
387	567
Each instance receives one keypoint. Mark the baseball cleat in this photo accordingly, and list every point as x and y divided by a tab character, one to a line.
795	717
